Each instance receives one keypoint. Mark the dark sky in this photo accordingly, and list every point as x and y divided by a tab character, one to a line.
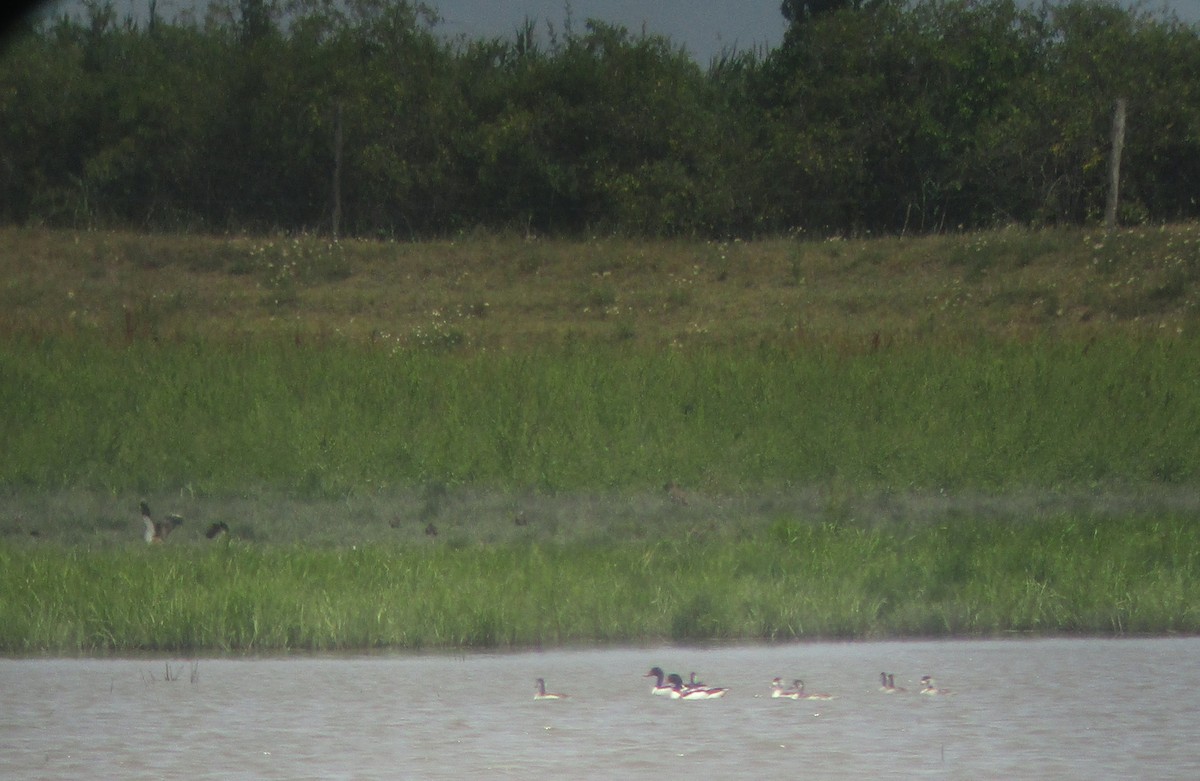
705	27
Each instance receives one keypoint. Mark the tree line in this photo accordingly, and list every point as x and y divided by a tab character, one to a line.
871	116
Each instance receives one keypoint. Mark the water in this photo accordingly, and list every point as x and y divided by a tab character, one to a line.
1049	708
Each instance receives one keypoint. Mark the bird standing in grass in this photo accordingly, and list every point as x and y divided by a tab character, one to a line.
216	530
157	531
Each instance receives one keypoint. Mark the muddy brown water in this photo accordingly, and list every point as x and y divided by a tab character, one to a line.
1021	708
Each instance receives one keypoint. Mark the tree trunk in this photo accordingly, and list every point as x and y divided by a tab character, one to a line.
1114	165
337	170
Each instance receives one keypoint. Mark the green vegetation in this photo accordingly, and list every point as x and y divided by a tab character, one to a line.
497	438
889	116
937	436
334	421
980	362
792	580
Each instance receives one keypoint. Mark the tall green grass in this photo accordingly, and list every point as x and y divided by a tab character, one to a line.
335	420
794	580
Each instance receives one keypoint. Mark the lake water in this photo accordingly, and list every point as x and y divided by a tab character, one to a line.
1038	709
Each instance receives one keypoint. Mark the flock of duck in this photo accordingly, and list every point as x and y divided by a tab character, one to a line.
667	685
672	685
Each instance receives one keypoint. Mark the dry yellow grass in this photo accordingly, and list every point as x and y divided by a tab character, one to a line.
506	292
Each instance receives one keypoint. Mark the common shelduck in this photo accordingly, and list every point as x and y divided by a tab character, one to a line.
796	692
927	686
798	687
157	531
659	687
681	692
778	692
542	694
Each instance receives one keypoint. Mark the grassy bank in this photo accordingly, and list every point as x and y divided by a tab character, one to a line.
467	443
494	293
792	580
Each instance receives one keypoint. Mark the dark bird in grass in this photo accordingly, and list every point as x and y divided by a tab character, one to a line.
157	531
520	519
431	530
676	493
216	530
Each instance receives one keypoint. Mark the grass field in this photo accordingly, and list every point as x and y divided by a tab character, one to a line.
327	422
792	580
469	443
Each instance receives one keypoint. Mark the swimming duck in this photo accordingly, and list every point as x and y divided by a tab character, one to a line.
778	692
712	691
157	531
681	692
893	688
798	688
659	687
542	694
927	686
